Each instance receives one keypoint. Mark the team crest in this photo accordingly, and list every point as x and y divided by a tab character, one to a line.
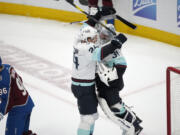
145	8
178	13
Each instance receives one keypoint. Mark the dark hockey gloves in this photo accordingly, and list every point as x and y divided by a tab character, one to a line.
107	11
119	40
103	11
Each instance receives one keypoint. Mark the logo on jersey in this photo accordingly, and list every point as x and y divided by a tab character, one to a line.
145	8
178	13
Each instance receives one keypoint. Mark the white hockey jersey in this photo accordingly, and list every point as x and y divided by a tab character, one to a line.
85	57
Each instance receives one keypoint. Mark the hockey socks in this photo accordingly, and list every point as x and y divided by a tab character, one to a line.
86	132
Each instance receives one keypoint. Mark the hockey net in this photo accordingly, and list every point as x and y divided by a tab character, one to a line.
173	100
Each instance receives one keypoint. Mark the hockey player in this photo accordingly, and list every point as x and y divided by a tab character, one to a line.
109	81
14	101
86	54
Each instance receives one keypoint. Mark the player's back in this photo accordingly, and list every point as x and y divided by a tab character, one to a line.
13	95
83	63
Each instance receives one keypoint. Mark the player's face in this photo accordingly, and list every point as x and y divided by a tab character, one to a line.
104	37
92	40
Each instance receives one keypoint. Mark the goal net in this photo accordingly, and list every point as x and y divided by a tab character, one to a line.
173	100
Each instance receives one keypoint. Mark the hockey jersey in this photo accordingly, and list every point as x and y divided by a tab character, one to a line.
85	57
116	58
13	95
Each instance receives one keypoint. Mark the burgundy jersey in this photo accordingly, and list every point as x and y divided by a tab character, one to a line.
12	91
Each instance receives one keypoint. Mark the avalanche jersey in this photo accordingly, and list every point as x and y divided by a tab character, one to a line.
85	57
13	95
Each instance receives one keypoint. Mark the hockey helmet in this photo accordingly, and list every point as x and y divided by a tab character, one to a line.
105	34
88	32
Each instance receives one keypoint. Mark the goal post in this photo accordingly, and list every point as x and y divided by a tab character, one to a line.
173	100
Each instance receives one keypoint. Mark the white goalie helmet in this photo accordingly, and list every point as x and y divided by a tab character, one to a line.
105	34
88	32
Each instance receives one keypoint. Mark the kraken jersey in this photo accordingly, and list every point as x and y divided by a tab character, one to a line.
85	57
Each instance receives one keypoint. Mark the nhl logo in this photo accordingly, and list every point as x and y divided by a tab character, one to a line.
145	8
178	13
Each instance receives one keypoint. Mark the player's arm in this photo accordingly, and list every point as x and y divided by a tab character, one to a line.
100	53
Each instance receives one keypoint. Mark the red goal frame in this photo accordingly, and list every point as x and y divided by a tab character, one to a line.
168	96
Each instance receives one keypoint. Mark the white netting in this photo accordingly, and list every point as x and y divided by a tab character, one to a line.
175	101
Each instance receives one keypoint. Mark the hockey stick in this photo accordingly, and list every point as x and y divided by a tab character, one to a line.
89	16
117	16
126	22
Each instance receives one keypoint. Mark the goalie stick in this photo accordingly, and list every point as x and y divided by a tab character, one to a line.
126	22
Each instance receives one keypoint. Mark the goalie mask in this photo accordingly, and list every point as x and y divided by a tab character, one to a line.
106	35
88	35
106	74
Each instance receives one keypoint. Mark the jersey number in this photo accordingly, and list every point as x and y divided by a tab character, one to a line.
75	61
3	91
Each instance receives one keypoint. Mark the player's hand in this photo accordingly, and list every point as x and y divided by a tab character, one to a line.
119	40
1	116
105	11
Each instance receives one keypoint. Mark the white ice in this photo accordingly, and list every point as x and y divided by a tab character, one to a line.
56	112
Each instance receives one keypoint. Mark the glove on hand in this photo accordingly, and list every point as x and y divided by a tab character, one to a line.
103	11
119	40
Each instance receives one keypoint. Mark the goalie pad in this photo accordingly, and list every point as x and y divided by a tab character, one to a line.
129	123
106	74
124	125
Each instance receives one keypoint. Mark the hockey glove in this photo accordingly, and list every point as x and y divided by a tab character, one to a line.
119	40
1	116
103	11
97	17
